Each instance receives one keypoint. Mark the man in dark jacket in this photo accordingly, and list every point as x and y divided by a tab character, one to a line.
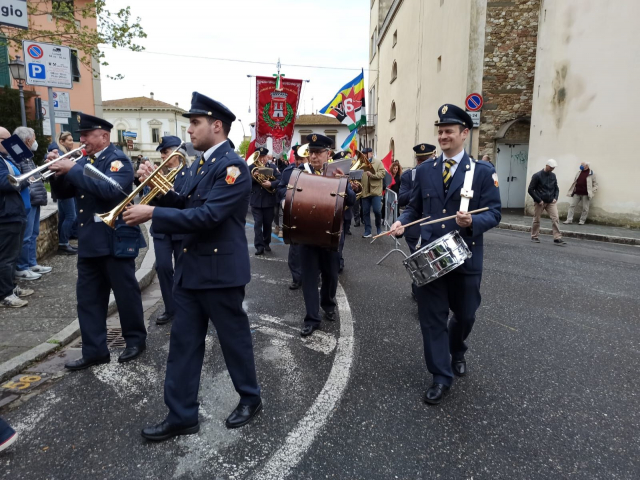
13	216
263	199
543	188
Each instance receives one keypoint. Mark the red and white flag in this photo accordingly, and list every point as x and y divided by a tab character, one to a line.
252	144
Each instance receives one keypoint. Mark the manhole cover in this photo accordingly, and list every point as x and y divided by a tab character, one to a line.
114	339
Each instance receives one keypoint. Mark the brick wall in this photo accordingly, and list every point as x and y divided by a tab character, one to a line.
509	67
48	237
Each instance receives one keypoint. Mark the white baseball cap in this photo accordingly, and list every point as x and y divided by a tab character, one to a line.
552	163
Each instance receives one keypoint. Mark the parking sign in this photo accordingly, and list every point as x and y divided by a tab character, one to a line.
48	65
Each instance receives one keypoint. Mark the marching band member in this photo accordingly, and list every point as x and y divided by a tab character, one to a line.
436	192
99	269
211	273
316	259
294	250
348	214
262	203
168	247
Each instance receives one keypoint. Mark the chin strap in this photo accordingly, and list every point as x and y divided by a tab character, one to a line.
466	193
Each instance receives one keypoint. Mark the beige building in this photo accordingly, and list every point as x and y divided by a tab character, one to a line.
539	66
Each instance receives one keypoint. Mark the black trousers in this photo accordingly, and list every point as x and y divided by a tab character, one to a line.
294	263
262	219
166	251
444	340
314	260
412	241
10	245
357	212
341	246
194	309
97	276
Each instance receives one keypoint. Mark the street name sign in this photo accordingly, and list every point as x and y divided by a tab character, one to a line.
475	116
13	13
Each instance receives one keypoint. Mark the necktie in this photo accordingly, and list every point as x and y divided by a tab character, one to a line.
446	173
92	159
200	164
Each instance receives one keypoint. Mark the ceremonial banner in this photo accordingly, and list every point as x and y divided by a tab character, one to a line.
348	104
277	105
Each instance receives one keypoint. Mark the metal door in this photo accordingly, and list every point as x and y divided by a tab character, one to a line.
511	166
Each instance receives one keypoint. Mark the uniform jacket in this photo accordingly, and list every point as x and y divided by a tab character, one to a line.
428	199
179	184
210	213
592	185
281	192
544	187
96	196
404	196
260	198
11	204
372	186
37	192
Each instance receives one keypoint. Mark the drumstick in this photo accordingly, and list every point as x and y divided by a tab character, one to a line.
454	216
403	226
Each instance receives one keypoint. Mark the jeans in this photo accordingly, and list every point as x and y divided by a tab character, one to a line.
11	235
66	218
367	204
28	254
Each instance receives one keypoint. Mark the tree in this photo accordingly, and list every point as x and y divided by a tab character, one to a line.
11	119
115	28
242	149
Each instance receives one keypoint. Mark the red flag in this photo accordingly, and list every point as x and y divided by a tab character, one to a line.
387	161
252	143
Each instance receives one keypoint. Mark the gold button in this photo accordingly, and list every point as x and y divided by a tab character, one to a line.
188	196
473	243
82	224
185	250
443	226
215	250
81	211
81	196
202	173
444	211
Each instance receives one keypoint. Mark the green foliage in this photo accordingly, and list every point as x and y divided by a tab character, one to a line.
242	149
11	119
115	28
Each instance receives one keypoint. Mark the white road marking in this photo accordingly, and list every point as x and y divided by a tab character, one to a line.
320	341
271	259
266	279
300	439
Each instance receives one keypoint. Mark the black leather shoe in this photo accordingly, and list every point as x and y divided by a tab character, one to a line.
165	431
308	329
164	319
242	415
260	251
331	316
67	250
294	286
82	363
131	353
459	367
267	248
435	394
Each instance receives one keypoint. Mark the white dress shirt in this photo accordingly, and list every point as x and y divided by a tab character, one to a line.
207	155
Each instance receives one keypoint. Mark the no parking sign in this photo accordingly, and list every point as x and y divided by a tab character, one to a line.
474	102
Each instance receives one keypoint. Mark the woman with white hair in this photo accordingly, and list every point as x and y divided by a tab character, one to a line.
583	188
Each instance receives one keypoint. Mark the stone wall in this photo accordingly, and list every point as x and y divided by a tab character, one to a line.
509	67
48	238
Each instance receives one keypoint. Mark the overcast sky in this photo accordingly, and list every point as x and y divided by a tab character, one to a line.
324	33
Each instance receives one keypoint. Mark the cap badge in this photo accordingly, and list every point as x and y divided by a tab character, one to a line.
445	109
314	138
232	175
209	113
422	147
79	119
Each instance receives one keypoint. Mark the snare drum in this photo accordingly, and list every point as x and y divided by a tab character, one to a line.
437	259
313	210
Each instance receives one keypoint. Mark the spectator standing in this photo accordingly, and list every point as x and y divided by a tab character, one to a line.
13	217
583	188
372	193
396	173
487	158
28	268
543	188
67	224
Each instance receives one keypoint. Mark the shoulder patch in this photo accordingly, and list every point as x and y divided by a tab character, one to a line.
116	166
232	175
495	179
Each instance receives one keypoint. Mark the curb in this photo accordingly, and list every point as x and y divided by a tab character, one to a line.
8	369
580	235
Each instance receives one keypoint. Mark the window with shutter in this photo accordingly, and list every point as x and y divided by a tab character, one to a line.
5	78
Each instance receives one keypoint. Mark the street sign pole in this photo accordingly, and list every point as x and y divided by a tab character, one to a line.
52	115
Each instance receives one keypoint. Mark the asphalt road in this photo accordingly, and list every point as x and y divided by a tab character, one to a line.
551	390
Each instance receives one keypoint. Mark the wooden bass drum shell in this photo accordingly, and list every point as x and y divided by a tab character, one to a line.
314	210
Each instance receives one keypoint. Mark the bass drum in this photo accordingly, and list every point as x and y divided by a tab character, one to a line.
313	210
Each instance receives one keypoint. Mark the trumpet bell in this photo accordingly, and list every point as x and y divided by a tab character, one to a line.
253	158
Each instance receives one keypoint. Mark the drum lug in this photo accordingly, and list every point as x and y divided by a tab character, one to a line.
334	234
343	195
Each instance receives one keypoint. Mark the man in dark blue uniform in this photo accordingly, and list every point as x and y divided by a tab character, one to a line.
100	268
211	273
436	193
320	260
294	250
347	215
423	151
263	200
169	247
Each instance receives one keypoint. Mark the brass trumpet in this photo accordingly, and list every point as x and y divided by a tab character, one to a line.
254	163
360	162
16	181
162	184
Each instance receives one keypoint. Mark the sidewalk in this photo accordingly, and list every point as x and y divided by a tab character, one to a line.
50	320
602	233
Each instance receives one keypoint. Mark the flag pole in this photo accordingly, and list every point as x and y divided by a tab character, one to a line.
366	122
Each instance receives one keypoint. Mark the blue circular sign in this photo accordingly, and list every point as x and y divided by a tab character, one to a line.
474	102
35	51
